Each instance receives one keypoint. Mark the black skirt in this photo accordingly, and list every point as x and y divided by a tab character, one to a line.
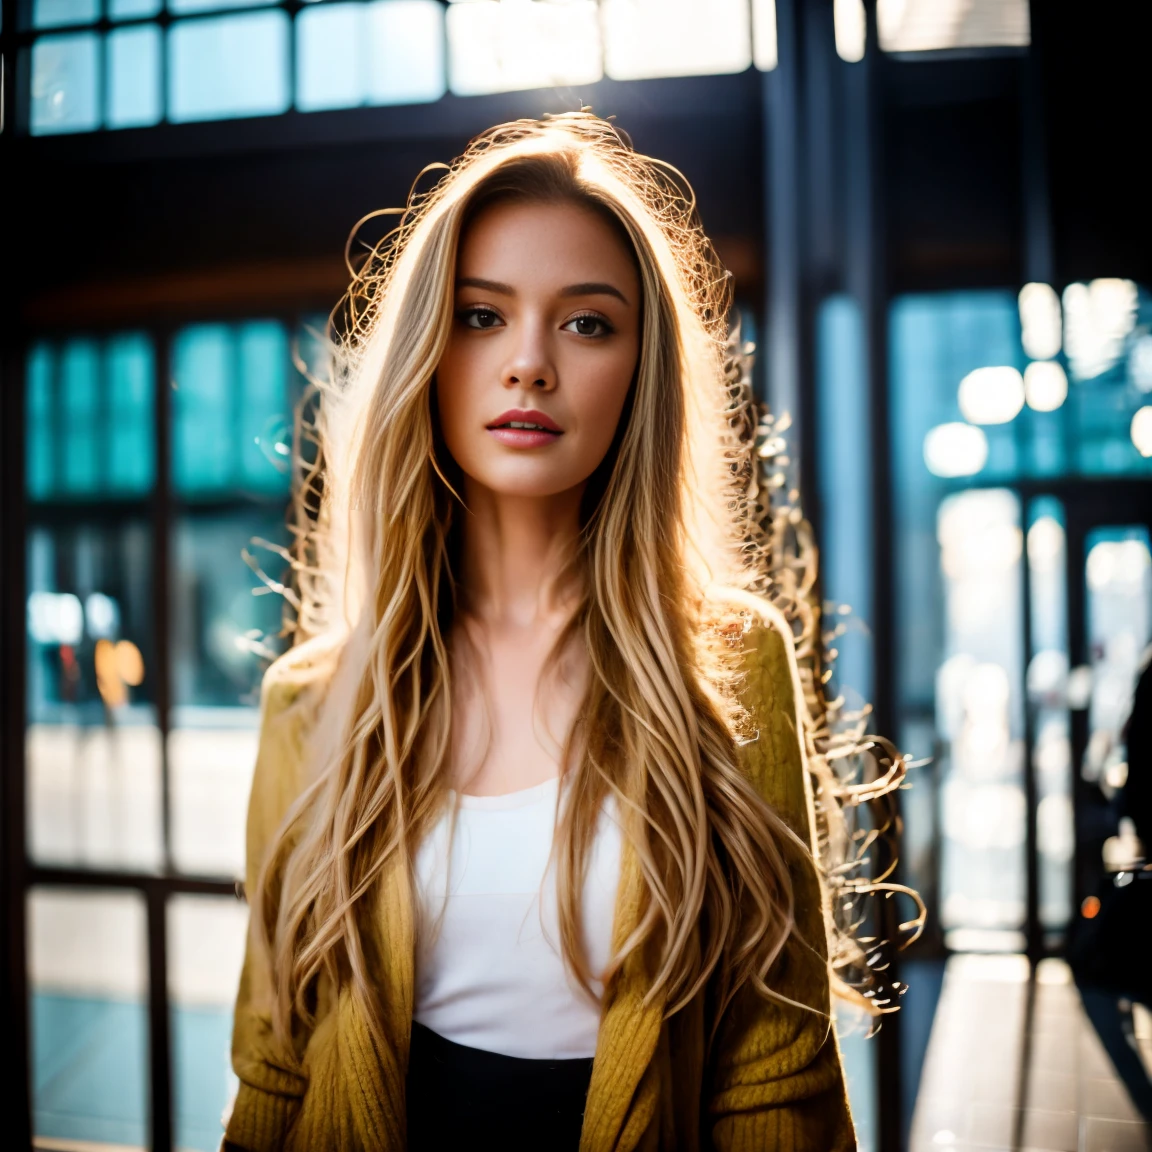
460	1097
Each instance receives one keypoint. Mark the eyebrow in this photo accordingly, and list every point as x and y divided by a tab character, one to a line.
590	288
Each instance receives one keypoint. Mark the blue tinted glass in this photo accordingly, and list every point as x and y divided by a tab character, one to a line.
1101	415
89	1020
65	83
129	371
214	606
265	419
405	42
329	57
183	7
80	408
934	341
230	66
133	63
38	441
845	460
133	9
203	452
58	13
90	1070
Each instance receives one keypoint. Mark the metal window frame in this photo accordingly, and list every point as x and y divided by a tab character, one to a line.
161	506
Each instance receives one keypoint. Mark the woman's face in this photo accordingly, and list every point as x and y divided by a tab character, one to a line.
546	334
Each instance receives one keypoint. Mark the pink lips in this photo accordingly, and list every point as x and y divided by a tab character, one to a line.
548	432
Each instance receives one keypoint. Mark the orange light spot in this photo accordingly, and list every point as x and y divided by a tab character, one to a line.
1091	907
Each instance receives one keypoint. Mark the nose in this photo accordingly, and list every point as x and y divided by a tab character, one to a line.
531	365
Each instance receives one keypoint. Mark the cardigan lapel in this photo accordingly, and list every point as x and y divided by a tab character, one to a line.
621	1098
380	1075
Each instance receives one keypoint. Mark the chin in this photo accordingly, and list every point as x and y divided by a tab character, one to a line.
526	483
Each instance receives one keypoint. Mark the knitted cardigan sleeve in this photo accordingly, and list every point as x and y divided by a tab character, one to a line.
778	1081
271	1080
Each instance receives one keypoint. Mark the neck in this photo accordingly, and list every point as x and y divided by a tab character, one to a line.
516	555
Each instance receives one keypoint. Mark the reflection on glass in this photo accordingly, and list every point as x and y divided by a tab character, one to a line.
500	46
1047	695
87	968
232	409
65	84
134	60
91	744
1119	578
218	622
980	718
229	66
206	936
649	38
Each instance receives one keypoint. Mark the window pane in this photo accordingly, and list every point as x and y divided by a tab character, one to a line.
500	45
1118	573
214	606
88	971
405	40
387	52
206	936
40	450
764	48
232	409
79	385
644	38
205	388
57	13
329	60
231	66
92	747
216	679
980	720
1047	684
129	376
133	9
65	82
919	25
265	420
183	7
134	77
89	420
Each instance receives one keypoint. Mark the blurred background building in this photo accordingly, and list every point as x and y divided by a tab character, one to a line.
936	213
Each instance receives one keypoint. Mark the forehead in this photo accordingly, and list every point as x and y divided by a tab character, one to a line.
545	244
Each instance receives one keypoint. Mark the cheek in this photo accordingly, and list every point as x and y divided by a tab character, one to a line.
454	393
600	401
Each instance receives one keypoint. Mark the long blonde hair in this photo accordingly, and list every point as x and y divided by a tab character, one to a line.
665	530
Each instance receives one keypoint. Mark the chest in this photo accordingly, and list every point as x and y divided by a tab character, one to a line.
489	963
513	712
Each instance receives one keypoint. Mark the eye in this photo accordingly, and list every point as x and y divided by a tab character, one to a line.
479	317
589	325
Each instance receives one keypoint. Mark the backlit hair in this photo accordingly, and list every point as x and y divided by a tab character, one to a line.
666	542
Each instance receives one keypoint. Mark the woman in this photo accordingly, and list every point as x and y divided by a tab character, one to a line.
529	838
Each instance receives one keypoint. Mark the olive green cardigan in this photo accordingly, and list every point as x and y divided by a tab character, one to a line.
774	1080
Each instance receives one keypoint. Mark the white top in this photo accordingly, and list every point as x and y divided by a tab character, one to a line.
490	975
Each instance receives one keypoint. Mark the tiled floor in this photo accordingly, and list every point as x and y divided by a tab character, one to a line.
988	1085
